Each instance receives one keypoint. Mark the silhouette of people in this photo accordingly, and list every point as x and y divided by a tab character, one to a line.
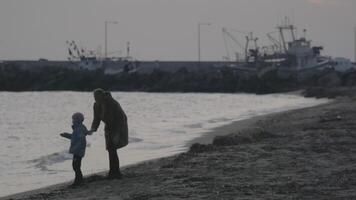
109	111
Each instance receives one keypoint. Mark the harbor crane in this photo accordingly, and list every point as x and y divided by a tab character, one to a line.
248	51
275	43
227	35
78	53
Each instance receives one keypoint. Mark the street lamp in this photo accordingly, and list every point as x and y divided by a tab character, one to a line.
106	36
199	25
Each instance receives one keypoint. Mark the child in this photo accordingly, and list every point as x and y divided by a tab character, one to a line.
77	145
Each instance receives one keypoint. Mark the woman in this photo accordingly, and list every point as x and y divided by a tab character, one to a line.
109	111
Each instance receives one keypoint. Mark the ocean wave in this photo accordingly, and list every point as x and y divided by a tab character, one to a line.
134	140
13	137
43	162
197	125
177	132
218	120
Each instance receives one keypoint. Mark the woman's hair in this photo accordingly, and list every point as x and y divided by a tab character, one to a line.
102	93
99	91
78	117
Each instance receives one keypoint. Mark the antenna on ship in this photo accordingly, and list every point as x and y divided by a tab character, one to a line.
355	43
128	49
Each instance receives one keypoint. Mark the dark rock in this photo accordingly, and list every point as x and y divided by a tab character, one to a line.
94	178
231	140
200	148
248	136
331	79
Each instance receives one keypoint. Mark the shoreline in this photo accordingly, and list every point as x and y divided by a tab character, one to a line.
205	140
239	125
197	129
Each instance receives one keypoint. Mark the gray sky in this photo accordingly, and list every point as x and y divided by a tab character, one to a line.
165	29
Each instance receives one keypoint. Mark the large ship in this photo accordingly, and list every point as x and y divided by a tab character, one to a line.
295	56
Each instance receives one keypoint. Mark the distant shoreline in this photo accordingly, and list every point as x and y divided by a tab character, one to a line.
183	80
224	80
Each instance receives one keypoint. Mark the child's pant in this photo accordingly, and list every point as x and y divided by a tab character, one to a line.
77	162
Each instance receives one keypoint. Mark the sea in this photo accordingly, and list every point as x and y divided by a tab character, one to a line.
33	155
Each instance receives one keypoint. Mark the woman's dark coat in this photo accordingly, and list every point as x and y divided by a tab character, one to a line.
116	128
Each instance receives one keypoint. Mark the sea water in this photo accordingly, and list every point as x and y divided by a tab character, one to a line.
33	155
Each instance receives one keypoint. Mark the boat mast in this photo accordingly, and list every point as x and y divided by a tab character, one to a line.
128	50
251	38
286	26
355	44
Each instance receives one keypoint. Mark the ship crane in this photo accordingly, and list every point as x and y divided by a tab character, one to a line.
247	50
276	44
78	53
227	35
74	51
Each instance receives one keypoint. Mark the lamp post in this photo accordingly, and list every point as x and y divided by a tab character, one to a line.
199	50
106	37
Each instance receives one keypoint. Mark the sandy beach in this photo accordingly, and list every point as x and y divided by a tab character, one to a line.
301	154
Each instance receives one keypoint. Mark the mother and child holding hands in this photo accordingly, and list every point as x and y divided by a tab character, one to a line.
108	110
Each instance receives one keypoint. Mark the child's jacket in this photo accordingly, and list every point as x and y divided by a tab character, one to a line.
77	140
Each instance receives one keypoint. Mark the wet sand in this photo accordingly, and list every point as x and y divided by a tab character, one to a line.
302	154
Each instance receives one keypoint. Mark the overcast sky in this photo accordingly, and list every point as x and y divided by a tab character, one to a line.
165	29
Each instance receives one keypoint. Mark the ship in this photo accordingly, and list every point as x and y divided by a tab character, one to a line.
296	56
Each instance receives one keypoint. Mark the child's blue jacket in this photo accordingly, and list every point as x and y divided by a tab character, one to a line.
78	142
